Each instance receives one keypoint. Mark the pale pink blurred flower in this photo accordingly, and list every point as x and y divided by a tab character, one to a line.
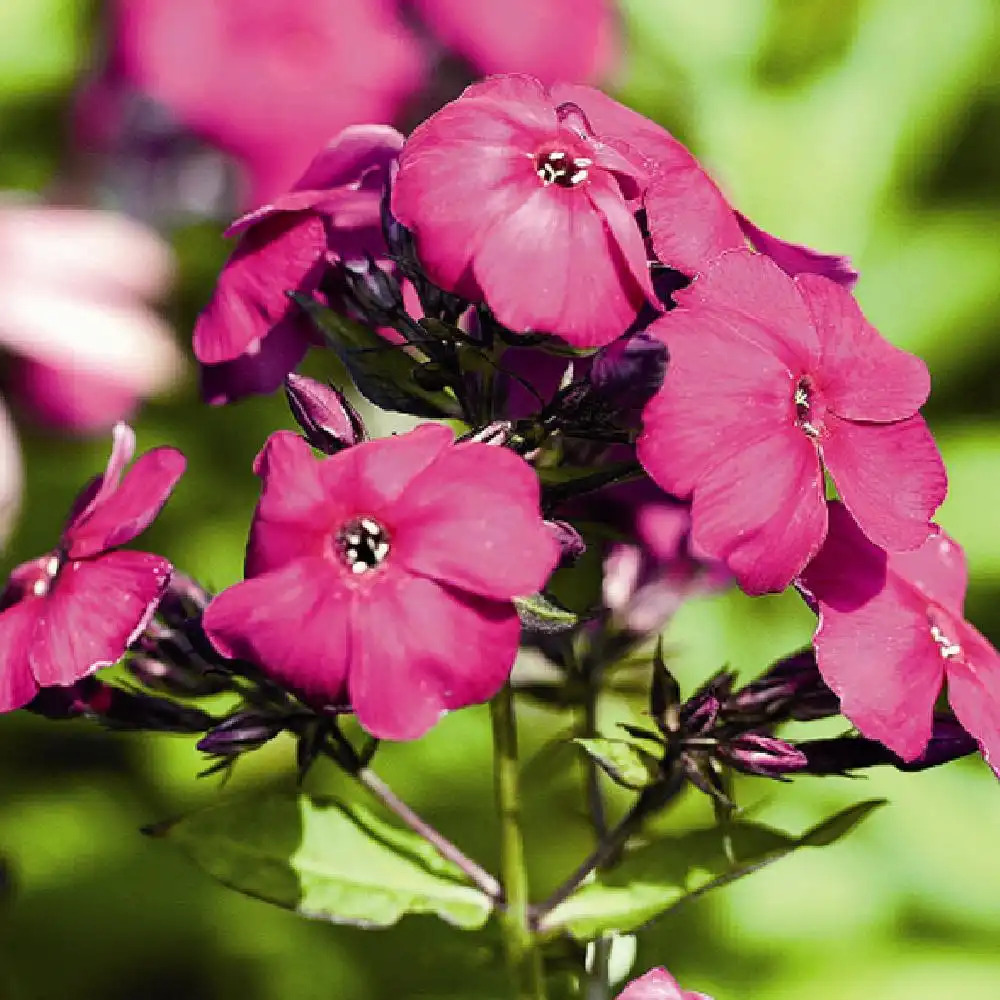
74	291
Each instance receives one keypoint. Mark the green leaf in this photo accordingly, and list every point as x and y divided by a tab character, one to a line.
656	877
540	613
623	762
385	374
327	860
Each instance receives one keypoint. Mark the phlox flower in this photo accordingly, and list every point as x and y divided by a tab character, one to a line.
251	334
771	380
891	629
690	220
512	199
79	607
516	36
268	80
658	984
382	576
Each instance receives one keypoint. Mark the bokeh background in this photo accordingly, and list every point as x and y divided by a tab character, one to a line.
869	127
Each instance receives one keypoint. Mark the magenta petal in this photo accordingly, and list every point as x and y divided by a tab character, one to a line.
295	514
93	611
718	390
863	376
101	487
18	625
890	477
762	511
445	650
793	258
292	622
937	569
258	373
279	253
762	304
387	466
974	691
130	509
658	984
588	300
473	520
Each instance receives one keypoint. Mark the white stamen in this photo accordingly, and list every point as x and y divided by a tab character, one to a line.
557	155
580	175
949	650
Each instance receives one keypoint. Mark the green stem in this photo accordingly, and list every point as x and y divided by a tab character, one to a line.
524	959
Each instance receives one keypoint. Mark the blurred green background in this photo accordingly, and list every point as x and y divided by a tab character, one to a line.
870	127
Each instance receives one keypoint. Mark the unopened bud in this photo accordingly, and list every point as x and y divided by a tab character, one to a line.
571	543
243	731
792	688
754	753
629	372
374	292
328	421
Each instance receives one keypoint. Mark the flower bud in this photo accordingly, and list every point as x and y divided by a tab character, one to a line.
571	544
629	372
792	688
754	753
374	292
242	731
328	421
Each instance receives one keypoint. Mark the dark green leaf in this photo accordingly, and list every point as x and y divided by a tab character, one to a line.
385	374
326	860
623	762
656	877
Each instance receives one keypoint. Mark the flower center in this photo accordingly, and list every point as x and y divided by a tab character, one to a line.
803	398
558	167
362	544
948	649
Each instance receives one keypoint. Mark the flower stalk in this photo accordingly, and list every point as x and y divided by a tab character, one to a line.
523	956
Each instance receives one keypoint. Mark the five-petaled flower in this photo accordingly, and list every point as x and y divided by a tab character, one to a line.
891	628
79	607
658	984
251	335
771	380
383	575
512	199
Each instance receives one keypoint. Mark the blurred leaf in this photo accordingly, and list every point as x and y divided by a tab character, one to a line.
326	860
385	374
41	45
541	614
625	764
661	874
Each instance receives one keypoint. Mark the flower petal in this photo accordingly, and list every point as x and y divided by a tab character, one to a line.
873	644
17	628
719	389
937	569
863	376
762	510
445	650
890	477
974	691
762	303
292	622
93	611
472	520
295	512
794	258
117	517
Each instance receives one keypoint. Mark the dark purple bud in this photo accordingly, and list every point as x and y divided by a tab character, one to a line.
767	756
699	714
328	421
191	679
242	731
664	694
571	544
184	598
374	292
792	688
629	372
948	742
117	708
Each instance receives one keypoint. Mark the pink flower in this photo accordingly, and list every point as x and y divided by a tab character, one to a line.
513	200
332	212
74	291
771	379
891	628
78	608
383	575
689	218
266	79
658	984
517	36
